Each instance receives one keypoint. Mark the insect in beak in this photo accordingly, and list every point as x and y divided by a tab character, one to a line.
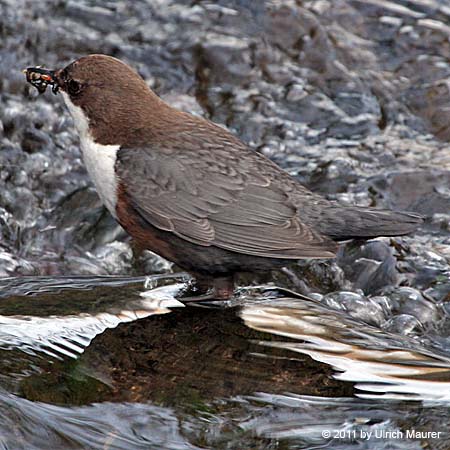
40	78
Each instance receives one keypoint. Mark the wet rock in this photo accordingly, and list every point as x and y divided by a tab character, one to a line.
84	265
317	276
404	324
98	17
115	258
21	203
8	264
431	103
34	139
357	306
225	60
384	303
422	191
36	166
370	266
82	221
333	177
409	301
148	263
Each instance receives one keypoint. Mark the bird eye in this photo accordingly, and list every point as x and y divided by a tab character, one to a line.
63	74
73	87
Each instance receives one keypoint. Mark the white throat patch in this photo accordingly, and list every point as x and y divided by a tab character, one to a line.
99	159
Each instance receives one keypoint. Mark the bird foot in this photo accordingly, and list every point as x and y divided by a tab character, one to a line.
215	290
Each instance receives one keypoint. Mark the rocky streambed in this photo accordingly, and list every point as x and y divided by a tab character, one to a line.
349	96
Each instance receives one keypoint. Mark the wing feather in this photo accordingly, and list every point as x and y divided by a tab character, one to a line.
218	198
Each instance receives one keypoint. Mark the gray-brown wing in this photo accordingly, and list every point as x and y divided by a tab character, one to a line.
216	196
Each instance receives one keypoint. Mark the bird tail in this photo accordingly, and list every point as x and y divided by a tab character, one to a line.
352	222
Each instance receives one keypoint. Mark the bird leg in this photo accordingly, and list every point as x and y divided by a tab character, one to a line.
213	289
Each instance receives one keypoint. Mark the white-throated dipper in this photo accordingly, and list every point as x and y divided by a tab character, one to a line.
192	192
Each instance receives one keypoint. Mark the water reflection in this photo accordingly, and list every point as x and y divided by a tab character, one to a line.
43	319
265	370
189	358
378	362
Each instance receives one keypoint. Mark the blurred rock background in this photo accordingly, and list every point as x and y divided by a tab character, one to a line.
351	97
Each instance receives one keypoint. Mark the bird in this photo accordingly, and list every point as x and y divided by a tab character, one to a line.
191	191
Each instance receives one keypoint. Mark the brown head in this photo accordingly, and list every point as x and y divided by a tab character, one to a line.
112	105
111	96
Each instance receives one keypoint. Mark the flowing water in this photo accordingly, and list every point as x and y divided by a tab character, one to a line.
352	98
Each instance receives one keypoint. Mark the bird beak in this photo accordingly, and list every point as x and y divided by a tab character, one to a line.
40	78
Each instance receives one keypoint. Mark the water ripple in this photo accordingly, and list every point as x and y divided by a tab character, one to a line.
379	362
